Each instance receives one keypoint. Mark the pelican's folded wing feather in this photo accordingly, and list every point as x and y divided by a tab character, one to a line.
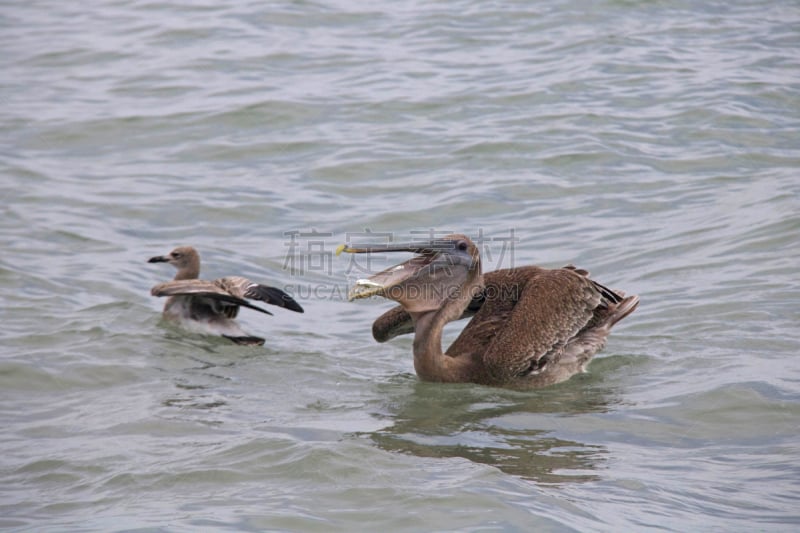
553	306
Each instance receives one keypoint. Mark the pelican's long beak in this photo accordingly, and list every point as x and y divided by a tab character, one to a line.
415	247
429	255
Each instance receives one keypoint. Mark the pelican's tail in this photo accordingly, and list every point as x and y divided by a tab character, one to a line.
618	311
592	338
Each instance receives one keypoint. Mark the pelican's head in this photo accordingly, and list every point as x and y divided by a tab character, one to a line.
439	272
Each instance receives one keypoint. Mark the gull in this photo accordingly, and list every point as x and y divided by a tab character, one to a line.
211	306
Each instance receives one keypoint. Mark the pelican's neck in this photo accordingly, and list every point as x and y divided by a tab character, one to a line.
430	362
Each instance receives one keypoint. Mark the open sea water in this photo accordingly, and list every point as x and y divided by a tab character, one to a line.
654	143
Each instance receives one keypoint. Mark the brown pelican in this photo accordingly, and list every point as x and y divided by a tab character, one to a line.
531	327
211	306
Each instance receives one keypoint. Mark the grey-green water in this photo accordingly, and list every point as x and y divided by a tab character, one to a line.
655	143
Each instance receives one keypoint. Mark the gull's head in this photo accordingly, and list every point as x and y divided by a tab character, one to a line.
184	258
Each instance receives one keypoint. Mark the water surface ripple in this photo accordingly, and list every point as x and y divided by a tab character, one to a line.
655	143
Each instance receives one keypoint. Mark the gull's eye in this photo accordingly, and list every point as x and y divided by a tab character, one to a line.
175	255
462	245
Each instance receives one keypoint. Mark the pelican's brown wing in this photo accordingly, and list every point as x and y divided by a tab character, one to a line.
532	314
492	310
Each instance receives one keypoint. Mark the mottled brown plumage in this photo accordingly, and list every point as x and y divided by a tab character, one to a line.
531	326
211	306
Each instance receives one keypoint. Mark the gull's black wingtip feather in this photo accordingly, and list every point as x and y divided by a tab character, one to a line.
273	296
